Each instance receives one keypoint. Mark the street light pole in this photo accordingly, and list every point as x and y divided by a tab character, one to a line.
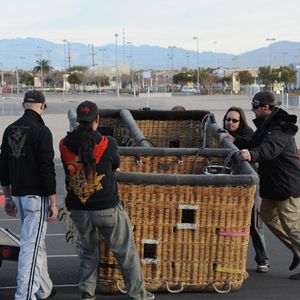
92	54
41	68
172	66
131	65
65	55
2	80
198	74
215	51
117	67
270	40
69	55
187	55
102	50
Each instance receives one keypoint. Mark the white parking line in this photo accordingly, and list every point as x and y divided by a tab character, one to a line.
55	285
62	255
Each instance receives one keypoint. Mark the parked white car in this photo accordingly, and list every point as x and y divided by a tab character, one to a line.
187	89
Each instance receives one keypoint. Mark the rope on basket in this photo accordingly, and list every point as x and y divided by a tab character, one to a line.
181	287
222	291
119	288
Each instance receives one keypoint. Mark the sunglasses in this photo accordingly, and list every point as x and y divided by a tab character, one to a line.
233	120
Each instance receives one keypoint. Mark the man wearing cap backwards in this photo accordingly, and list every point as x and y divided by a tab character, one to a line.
273	146
90	160
27	178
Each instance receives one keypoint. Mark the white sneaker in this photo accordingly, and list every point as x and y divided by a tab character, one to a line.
149	296
262	268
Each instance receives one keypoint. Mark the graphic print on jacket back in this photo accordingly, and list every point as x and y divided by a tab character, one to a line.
16	142
81	186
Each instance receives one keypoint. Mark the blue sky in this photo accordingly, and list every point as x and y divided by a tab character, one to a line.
231	26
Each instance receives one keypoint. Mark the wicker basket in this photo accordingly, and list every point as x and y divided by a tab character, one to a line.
174	129
170	129
192	230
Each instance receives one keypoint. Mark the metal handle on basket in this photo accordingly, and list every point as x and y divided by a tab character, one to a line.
181	287
119	288
222	291
226	161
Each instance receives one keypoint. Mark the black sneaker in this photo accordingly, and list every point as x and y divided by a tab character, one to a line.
86	296
295	262
295	276
52	294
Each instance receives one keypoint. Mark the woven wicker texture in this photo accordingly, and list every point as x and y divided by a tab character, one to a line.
173	133
178	235
186	164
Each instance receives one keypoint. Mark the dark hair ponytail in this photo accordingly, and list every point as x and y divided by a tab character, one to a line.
84	134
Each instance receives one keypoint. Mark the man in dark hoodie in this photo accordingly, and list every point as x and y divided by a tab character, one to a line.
273	146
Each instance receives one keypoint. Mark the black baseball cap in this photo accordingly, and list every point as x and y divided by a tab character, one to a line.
87	111
264	98
34	96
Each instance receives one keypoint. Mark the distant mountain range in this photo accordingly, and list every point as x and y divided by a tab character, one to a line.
24	52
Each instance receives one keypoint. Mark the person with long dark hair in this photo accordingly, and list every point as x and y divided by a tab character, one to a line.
235	123
90	160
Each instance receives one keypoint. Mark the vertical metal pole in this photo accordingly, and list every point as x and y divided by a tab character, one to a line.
117	67
198	72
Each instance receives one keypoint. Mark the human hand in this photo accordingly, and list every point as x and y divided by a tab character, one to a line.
226	135
52	214
10	207
245	154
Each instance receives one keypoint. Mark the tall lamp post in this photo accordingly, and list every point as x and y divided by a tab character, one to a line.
41	67
117	67
102	50
215	51
270	51
2	80
65	55
187	55
198	74
92	54
131	64
171	56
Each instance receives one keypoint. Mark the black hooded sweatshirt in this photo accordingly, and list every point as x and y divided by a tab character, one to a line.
100	192
273	146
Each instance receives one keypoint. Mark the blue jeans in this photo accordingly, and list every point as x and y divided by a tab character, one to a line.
114	225
257	232
33	277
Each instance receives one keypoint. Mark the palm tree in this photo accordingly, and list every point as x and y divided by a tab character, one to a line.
43	65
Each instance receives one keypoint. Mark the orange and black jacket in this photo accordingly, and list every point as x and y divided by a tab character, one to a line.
99	190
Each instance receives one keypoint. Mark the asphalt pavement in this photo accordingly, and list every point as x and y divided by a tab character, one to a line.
62	259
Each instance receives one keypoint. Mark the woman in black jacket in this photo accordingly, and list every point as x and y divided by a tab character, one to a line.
235	123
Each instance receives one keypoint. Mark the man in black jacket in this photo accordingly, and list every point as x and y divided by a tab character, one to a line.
273	146
27	178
